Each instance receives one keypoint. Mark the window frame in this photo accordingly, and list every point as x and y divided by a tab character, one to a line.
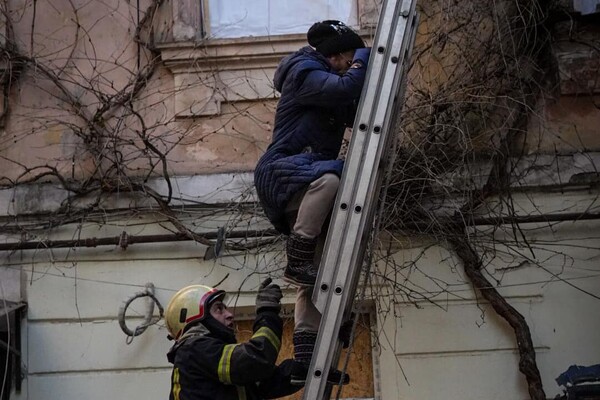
189	20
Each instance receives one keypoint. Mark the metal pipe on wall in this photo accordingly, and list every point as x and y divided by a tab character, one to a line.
125	240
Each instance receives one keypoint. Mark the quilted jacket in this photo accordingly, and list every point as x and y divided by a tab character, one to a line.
315	107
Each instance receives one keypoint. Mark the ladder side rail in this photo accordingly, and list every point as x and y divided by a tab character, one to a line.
370	182
346	274
388	157
399	102
373	184
390	147
349	198
370	100
354	240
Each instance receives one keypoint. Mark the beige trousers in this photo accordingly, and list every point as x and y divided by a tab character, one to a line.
308	213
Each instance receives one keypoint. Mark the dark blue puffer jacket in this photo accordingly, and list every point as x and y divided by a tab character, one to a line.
315	107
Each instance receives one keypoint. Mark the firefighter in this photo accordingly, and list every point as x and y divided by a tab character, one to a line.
208	363
298	176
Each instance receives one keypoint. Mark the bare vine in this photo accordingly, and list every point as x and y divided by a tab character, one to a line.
479	71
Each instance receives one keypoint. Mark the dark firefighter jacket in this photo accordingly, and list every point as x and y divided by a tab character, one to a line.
315	107
209	365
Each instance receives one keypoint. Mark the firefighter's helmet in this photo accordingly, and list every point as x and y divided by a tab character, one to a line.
192	303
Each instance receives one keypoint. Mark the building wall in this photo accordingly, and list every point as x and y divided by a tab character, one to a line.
72	343
452	345
448	345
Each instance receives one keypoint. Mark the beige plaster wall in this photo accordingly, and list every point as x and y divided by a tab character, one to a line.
209	105
455	349
442	342
87	67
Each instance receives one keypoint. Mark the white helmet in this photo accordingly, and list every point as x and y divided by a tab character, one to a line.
192	303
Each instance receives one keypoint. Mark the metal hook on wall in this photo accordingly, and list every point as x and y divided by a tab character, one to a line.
149	319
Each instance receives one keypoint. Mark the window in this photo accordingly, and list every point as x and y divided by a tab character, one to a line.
241	18
226	51
195	20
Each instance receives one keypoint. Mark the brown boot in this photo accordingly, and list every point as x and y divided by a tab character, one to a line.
300	269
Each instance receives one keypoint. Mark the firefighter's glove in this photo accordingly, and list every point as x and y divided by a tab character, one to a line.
346	331
268	297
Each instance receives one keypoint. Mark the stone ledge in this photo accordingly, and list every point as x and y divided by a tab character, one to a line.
545	172
187	190
213	71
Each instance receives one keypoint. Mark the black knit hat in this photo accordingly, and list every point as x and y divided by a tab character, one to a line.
332	37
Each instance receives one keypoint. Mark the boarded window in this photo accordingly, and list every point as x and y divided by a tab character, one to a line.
360	367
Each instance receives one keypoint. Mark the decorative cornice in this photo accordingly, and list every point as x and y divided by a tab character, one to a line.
212	71
229	54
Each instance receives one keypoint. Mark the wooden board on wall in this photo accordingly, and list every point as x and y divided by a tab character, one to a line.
360	366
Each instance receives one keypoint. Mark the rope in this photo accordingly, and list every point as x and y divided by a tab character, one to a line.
150	319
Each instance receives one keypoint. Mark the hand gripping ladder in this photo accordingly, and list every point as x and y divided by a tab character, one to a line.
354	210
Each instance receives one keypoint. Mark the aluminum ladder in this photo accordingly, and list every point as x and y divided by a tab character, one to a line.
358	195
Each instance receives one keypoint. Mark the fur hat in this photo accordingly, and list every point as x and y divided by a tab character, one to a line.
332	37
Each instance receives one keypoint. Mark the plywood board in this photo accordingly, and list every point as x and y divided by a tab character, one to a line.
360	366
